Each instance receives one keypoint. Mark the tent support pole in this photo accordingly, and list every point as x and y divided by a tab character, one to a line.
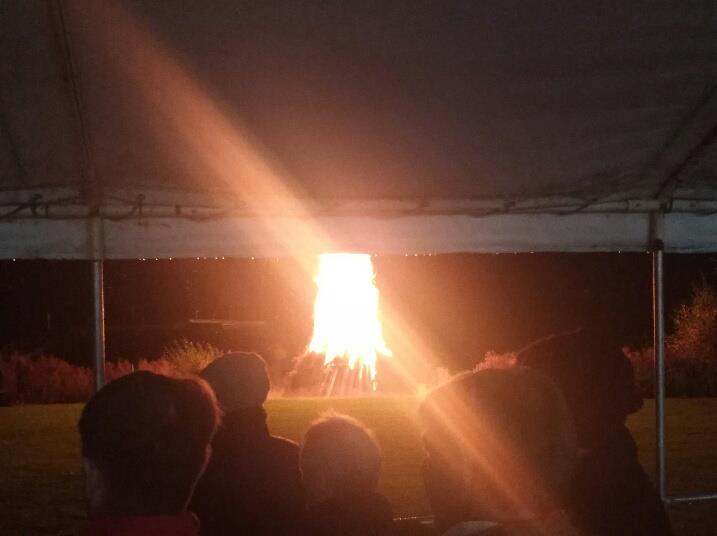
98	310
98	302
659	346
658	319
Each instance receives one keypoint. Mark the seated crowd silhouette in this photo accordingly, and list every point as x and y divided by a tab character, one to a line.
537	449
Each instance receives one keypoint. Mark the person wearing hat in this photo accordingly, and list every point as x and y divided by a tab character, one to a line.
252	484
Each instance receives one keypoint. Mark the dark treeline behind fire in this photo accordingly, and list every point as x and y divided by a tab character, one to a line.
463	305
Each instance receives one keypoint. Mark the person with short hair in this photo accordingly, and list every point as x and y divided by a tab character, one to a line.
341	465
252	484
500	454
145	440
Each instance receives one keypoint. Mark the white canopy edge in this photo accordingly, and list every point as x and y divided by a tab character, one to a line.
414	234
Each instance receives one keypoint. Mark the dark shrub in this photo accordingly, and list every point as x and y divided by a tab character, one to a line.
695	326
685	377
43	379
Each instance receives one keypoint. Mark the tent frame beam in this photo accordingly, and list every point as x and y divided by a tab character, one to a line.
12	146
92	188
156	205
697	131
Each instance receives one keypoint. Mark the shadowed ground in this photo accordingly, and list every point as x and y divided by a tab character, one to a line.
41	487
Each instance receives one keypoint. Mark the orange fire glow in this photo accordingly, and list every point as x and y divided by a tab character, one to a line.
346	320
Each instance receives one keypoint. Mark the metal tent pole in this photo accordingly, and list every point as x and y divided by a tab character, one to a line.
98	298
658	301
98	295
659	345
92	190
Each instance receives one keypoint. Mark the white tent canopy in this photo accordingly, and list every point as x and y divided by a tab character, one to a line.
280	128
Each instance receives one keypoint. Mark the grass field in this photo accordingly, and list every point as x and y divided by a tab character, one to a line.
41	488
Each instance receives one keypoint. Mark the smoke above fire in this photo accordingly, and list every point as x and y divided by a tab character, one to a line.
347	326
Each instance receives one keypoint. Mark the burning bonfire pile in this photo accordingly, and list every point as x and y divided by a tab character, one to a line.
347	335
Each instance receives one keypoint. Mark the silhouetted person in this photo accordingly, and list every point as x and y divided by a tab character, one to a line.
500	454
252	484
612	495
145	440
341	464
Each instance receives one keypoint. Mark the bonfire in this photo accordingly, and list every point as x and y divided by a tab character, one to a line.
347	328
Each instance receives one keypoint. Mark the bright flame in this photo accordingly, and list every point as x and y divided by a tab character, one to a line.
346	322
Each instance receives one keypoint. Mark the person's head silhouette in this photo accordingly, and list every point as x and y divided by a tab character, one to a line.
500	445
145	441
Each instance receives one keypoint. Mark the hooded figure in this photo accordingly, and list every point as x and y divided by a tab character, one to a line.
612	495
252	484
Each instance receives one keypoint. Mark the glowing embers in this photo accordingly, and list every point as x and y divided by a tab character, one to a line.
347	328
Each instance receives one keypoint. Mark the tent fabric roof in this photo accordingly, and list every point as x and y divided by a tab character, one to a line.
396	113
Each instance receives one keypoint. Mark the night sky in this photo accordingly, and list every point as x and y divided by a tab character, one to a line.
463	305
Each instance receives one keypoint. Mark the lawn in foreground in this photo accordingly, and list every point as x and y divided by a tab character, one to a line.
41	487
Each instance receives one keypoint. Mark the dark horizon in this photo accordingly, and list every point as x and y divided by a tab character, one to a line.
464	305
